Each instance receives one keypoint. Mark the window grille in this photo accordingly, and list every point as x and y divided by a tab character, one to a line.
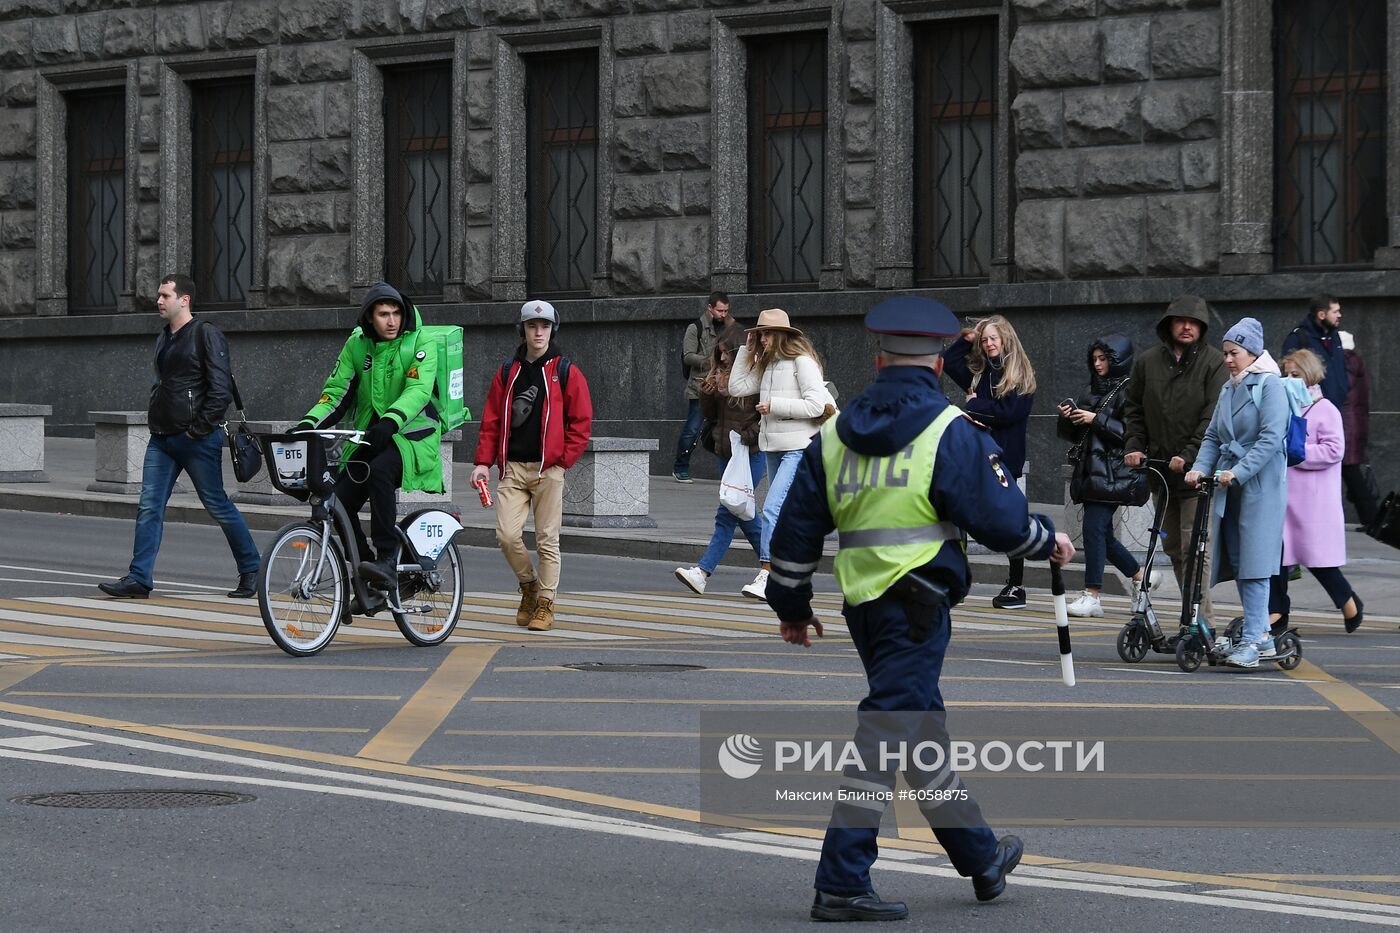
418	144
561	185
96	200
222	160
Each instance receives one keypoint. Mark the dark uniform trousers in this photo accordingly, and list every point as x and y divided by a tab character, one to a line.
903	674
380	488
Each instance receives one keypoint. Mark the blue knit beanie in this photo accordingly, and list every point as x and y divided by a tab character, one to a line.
1248	333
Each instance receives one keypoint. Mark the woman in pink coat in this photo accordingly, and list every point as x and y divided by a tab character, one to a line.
1313	531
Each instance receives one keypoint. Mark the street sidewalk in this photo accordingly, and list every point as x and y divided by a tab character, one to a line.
684	515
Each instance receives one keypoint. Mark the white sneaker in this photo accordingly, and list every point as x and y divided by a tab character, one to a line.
1266	648
692	577
758	589
1086	606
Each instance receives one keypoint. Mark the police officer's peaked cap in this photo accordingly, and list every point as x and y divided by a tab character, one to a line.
910	326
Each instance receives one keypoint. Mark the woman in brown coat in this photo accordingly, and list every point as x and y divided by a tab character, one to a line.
728	413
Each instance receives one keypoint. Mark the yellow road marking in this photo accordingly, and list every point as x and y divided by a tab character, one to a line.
649	809
1358	879
202	696
217	728
48	651
557	733
1374	717
13	674
290	667
575	769
422	715
967	704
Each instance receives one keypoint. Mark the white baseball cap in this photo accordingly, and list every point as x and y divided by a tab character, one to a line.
537	310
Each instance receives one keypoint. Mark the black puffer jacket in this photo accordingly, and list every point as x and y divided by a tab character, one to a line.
1097	454
194	380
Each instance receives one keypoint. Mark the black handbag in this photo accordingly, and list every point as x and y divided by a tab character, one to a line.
244	448
1386	526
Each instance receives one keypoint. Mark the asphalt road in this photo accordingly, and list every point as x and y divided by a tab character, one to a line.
487	785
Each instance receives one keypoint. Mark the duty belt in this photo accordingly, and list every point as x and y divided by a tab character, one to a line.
895	537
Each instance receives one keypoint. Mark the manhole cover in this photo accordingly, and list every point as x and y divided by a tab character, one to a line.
135	799
633	668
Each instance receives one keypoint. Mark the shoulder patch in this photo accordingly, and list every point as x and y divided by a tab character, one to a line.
369	361
420	356
975	423
412	372
998	470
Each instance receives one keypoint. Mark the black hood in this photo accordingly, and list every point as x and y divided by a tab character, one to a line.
1119	350
383	291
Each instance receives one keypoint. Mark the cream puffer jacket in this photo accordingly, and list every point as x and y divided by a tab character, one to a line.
796	395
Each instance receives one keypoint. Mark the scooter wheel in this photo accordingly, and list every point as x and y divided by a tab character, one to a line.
1132	642
1235	630
1189	653
1291	646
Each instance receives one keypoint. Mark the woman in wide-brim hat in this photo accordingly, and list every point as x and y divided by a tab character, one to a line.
780	365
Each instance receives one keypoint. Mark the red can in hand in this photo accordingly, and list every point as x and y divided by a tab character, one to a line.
483	492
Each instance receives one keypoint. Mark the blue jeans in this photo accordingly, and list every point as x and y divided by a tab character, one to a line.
1254	591
1099	543
782	467
203	460
725	523
690	433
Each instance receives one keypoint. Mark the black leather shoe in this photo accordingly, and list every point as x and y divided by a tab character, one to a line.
866	906
247	587
384	572
1355	621
127	587
991	881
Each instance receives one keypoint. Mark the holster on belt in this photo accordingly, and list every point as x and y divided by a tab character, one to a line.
924	600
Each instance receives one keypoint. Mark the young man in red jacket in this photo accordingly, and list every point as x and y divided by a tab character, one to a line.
538	420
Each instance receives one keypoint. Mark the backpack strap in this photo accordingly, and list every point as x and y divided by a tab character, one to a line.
565	364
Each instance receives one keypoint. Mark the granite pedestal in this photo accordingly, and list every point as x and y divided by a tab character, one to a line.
22	443
608	487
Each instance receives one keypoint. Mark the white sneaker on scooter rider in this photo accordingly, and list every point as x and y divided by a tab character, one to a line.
1086	606
1244	656
1266	648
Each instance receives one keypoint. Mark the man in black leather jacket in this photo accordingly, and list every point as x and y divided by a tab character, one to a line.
192	390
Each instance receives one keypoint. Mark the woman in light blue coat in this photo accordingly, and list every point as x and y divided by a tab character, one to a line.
1244	447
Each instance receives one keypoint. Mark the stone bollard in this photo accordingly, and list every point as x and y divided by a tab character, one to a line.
610	485
22	443
120	451
413	501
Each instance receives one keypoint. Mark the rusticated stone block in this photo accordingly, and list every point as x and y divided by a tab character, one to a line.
377	18
148	273
16	185
476	260
295	112
858	19
634	257
636	146
1127	49
1057	54
695	193
1185	45
17	133
148	176
16	44
685	144
310	270
252	23
860	248
411	14
17	230
677	84
440	15
304	64
1183	233
860	184
1052	173
17	280
313	20
179	29
290	167
1124	169
90	32
690	32
339	110
1103	116
344	211
55	40
1200	165
294	214
1138	6
860	73
148	223
481	156
129	32
1174	110
1040	119
479	201
647	196
148	124
629	93
639	35
511	11
1040	239
481	99
330	165
860	132
684	251
481	50
1104	237
1055	9
17	88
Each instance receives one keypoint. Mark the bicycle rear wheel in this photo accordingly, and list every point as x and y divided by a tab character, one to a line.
301	597
433	600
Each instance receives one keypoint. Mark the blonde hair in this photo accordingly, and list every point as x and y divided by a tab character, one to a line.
1017	374
1310	365
786	346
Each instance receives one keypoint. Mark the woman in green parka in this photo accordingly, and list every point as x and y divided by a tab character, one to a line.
385	381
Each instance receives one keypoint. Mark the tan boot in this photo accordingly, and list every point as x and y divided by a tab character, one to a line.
529	599
543	619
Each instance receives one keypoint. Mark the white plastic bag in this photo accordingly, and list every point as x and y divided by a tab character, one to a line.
736	485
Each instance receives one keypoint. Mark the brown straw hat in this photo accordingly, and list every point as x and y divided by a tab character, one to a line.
774	319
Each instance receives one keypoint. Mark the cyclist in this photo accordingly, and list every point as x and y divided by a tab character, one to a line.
385	382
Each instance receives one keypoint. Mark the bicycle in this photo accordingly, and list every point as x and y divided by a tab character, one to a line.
309	583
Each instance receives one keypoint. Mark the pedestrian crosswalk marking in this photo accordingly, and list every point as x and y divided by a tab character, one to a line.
41	743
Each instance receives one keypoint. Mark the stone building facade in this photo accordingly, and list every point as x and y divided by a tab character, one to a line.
1127	151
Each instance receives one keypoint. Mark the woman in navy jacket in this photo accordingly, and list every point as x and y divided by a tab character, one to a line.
990	365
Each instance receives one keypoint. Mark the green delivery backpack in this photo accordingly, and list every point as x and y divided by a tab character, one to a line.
448	395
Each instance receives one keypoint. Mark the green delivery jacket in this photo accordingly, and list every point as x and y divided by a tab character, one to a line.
372	375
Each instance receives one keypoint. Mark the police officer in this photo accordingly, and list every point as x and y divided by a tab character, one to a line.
900	473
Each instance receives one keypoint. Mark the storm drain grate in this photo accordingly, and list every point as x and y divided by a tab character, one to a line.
135	799
601	667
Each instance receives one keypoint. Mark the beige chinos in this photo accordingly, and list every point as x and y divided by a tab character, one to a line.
524	490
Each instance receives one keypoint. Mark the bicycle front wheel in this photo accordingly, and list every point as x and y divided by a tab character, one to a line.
302	589
432	600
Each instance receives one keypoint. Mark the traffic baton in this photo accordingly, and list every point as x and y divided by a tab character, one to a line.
1057	587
